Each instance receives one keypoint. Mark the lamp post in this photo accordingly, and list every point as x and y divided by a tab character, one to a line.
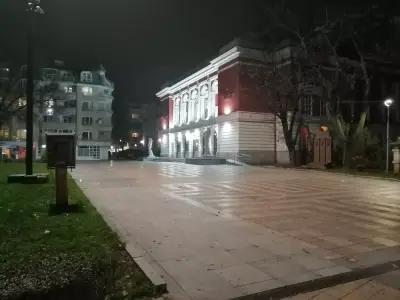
33	8
388	102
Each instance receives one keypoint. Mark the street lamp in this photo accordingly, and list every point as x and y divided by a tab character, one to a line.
33	8
388	102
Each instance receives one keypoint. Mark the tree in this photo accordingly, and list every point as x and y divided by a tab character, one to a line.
284	93
11	99
289	77
359	38
332	57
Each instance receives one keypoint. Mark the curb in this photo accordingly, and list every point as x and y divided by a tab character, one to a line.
321	283
138	256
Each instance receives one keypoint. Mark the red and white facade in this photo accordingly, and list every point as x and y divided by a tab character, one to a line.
221	111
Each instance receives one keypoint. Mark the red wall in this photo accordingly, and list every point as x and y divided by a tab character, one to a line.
241	87
170	112
228	89
252	95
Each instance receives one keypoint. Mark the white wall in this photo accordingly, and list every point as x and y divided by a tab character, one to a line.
256	136
228	137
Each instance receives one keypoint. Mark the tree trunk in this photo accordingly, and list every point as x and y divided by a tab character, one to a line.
344	155
292	157
287	133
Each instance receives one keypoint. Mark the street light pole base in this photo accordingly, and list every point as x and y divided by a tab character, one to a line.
38	178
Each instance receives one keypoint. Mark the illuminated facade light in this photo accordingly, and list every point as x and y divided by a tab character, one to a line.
50	111
227	127
227	109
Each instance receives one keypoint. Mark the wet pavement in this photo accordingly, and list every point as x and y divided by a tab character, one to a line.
219	232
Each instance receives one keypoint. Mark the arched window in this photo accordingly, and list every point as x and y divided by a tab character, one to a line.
195	98
205	101
213	100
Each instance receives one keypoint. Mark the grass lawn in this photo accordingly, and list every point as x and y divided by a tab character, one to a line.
73	255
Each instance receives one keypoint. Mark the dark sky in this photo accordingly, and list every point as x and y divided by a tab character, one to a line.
142	43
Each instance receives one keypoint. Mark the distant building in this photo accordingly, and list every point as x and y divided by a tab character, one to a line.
142	123
69	102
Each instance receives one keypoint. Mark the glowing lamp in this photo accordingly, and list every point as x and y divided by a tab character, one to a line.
227	109
388	102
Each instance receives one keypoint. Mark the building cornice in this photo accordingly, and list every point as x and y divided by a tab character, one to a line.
211	69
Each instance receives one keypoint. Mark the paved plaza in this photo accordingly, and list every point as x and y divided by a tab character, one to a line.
220	232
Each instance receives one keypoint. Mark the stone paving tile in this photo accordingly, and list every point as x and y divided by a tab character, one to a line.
249	254
254	288
281	268
243	275
311	262
305	276
194	278
332	271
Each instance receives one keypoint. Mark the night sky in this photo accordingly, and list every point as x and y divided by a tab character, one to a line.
142	43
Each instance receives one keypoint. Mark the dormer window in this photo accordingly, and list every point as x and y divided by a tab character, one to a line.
86	76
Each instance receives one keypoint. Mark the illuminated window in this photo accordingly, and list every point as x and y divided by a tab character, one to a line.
86	135
87	90
68	89
86	76
4	133
21	102
21	134
87	121
135	134
49	111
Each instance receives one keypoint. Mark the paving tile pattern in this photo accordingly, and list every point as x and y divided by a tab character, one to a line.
336	215
219	232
